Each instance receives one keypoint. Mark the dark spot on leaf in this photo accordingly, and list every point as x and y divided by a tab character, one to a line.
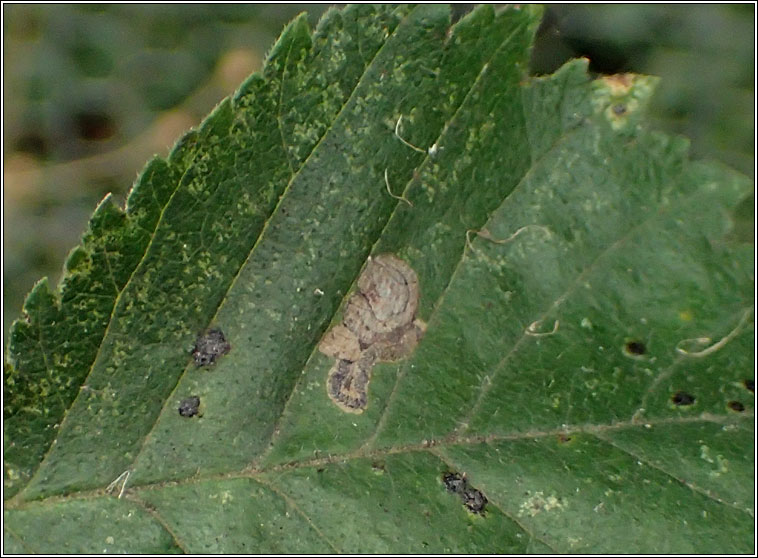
749	384
619	109
564	438
736	406
474	500
209	346
189	406
683	398
636	347
320	470
454	482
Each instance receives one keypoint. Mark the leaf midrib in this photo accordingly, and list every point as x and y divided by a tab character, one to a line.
595	430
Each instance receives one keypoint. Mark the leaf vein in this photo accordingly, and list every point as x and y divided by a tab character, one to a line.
291	502
692	486
21	541
452	441
490	499
115	306
489	379
403	368
150	510
262	233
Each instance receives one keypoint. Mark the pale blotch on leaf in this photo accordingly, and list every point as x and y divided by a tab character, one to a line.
379	324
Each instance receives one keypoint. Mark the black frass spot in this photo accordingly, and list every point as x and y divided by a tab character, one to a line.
474	500
454	482
736	406
682	398
635	348
189	406
209	346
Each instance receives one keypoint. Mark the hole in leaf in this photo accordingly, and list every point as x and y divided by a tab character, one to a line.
736	406
749	384
209	346
189	407
683	398
636	348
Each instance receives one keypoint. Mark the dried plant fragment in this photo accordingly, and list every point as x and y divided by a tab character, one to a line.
379	324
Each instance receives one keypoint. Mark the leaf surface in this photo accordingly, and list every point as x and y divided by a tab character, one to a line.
588	307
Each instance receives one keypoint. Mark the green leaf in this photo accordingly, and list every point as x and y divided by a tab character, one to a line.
588	302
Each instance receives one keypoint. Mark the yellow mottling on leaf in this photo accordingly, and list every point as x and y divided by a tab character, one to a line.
685	315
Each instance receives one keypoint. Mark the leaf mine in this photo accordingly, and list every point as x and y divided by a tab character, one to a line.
379	324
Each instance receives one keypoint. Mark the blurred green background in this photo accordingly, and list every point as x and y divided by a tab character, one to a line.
93	91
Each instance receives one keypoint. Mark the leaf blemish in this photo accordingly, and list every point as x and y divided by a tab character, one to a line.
681	398
749	385
454	482
736	406
635	348
209	347
379	325
473	499
189	406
